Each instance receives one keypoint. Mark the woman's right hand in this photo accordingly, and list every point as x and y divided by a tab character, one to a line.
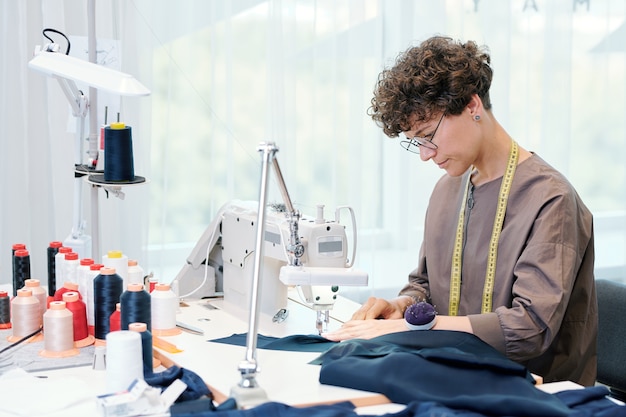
379	308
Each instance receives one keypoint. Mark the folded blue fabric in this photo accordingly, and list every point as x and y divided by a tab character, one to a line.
454	369
587	402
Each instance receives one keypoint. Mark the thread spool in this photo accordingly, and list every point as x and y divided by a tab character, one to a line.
152	282
82	275
136	306
5	310
21	269
118	153
39	293
93	272
25	317
77	307
67	286
58	332
164	307
117	260
124	360
146	347
135	272
14	248
59	268
100	161
107	287
53	249
70	267
115	320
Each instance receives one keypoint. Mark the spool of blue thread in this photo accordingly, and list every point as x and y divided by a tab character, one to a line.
118	153
146	347
107	290
21	268
136	306
53	249
16	284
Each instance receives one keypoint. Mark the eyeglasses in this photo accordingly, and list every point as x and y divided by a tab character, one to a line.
413	144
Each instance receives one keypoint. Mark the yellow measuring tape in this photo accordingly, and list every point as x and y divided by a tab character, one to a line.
457	253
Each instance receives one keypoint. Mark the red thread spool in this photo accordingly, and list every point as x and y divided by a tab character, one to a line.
67	287
115	321
78	309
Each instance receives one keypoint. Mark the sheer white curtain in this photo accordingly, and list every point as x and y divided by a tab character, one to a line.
227	75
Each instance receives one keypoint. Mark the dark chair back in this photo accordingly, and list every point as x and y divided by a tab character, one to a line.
612	336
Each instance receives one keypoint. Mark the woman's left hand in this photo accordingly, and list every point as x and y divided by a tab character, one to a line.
365	329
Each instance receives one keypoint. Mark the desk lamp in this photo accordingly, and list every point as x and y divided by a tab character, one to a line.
68	70
247	393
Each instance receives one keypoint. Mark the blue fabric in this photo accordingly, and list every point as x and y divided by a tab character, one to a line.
591	402
295	343
454	369
436	374
587	402
196	387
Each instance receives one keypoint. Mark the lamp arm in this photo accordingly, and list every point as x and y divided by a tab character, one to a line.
78	101
295	249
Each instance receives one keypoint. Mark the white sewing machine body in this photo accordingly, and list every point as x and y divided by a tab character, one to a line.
229	243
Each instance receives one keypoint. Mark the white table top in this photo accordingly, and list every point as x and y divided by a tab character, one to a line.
285	377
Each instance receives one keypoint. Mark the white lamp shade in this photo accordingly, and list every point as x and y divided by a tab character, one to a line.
94	75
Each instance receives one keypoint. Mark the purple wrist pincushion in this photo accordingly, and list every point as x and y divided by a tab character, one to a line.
420	316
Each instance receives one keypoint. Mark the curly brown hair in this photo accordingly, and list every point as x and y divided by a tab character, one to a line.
439	75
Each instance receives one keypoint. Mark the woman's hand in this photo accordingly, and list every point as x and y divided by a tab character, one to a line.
379	308
365	329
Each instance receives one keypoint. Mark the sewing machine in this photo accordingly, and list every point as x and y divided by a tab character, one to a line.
310	253
256	248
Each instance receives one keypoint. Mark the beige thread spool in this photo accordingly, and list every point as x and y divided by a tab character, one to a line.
58	323
25	317
39	293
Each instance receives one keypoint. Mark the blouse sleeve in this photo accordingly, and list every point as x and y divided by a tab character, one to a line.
545	275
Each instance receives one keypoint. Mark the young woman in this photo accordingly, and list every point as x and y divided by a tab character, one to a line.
508	248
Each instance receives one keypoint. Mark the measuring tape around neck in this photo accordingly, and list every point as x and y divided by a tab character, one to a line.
457	253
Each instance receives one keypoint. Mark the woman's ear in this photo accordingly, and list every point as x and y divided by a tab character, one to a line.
475	106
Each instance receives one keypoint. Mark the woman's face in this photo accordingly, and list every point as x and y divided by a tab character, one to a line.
455	140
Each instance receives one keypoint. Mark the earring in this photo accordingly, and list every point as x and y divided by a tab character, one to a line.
477	117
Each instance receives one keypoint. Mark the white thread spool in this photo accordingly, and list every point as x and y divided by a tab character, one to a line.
117	260
164	306
59	266
58	337
81	275
135	272
124	359
70	267
175	287
25	315
39	293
